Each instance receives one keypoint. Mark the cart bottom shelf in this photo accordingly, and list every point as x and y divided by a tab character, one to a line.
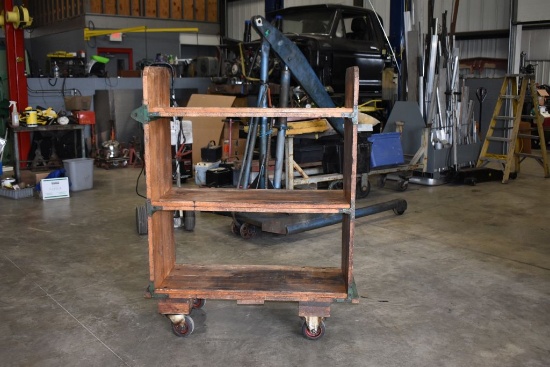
254	282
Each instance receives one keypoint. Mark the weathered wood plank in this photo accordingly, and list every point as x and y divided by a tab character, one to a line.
212	11
276	201
189	9
298	113
110	7
254	282
151	8
123	7
163	9
350	174
95	6
158	168
200	10
176	11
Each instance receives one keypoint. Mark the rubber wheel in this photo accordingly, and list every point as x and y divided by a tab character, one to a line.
248	231
313	336
336	185
141	220
184	328
402	185
381	181
198	303
400	208
470	181
189	220
362	191
236	228
513	175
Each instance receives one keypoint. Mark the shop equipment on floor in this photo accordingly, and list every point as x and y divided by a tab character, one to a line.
181	287
504	129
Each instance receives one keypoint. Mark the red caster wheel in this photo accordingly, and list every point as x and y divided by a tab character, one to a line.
198	303
313	334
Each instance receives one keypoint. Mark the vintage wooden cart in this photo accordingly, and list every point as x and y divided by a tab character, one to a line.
181	287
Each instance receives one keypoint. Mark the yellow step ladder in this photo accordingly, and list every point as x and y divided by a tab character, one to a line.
506	128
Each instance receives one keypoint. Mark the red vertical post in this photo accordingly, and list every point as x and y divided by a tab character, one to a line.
17	80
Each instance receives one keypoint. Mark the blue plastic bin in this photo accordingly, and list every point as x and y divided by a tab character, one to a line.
386	150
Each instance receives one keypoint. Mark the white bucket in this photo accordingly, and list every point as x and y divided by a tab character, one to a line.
200	171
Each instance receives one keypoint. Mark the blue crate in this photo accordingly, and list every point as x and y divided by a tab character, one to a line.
386	150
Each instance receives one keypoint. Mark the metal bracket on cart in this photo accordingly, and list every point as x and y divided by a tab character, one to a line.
141	114
151	209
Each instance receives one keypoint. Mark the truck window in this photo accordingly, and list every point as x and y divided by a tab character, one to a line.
358	28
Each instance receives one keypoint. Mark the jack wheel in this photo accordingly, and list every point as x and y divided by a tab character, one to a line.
317	334
336	185
189	220
362	191
184	328
236	228
400	208
381	181
402	185
470	181
198	303
141	220
247	231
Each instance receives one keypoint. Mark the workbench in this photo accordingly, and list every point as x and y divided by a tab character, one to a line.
44	128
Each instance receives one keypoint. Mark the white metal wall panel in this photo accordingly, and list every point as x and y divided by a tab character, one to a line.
494	48
486	15
533	11
473	15
238	12
536	44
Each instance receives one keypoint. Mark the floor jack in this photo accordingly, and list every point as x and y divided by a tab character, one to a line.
245	224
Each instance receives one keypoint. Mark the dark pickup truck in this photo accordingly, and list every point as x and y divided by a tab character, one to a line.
331	37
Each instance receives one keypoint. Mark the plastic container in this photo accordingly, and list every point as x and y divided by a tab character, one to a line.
200	171
17	194
80	172
386	149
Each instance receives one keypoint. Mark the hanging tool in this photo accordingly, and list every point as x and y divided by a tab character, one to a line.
481	94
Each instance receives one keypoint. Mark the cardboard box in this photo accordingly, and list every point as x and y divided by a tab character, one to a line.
32	178
73	103
55	188
206	129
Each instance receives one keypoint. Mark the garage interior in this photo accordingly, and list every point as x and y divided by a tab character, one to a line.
459	276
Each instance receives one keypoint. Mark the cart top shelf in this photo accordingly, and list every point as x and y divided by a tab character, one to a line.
262	200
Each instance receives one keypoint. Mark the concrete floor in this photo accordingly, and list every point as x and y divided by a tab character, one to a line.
461	279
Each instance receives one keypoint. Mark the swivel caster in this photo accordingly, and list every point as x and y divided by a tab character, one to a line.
198	303
362	189
381	181
313	328
402	185
182	325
